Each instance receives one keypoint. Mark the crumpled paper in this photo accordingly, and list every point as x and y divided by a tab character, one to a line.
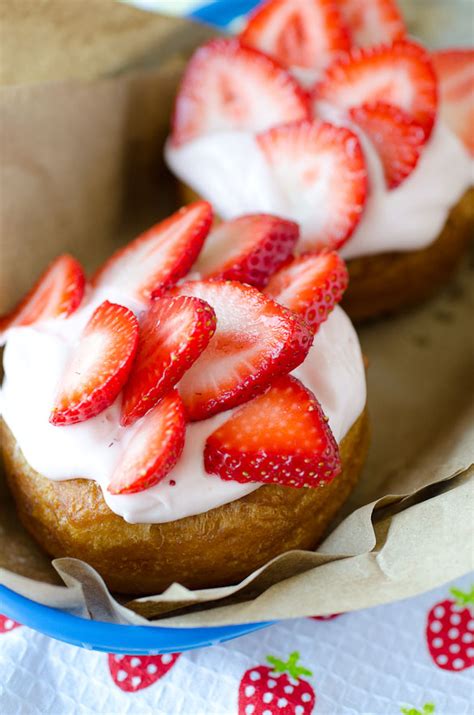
83	173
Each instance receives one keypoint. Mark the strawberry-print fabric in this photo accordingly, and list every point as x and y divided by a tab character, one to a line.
380	661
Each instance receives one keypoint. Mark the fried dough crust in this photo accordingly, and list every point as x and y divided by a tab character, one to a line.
219	547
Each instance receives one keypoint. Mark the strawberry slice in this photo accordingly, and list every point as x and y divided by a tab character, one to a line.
310	286
57	294
302	33
154	449
256	339
399	140
281	437
100	366
372	22
400	74
248	249
227	86
159	257
173	333
455	71
320	171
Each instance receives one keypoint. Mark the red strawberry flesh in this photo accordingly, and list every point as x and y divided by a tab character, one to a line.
280	437
158	258
256	339
100	366
398	139
400	74
227	86
248	249
310	286
303	33
173	333
455	71
372	22
154	449
320	172
57	294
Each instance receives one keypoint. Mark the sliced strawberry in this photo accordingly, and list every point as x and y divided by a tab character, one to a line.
310	286
227	86
100	366
399	140
159	257
372	22
455	71
58	293
173	333
256	339
400	74
302	33
154	450
321	174
280	437
248	249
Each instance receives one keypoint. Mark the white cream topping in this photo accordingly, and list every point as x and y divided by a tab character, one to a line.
413	215
35	358
230	171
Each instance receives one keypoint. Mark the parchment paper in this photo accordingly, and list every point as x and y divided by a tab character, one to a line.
82	171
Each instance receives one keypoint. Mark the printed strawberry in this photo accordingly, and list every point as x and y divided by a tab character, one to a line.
455	72
7	624
397	138
302	33
320	171
154	449
248	249
280	437
228	86
450	631
57	294
99	367
276	690
173	334
256	339
401	74
427	709
310	286
372	22
158	258
136	672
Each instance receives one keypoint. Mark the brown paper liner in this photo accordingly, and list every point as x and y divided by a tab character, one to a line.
82	171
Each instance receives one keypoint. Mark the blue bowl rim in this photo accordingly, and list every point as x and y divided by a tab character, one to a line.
112	637
222	12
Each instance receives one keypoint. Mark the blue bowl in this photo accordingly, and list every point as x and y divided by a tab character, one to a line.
113	638
222	12
109	637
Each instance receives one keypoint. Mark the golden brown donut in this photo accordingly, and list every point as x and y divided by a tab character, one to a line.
217	548
389	282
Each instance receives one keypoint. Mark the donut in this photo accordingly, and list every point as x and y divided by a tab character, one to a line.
217	548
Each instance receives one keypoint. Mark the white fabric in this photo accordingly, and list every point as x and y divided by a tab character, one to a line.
372	662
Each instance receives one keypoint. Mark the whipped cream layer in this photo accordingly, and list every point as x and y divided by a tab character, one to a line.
229	170
35	358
